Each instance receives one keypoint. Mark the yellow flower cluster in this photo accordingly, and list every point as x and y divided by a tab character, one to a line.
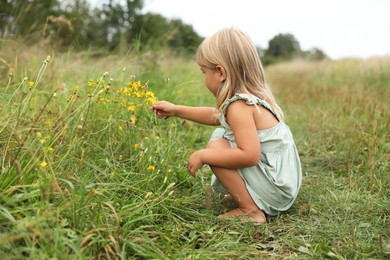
134	97
137	90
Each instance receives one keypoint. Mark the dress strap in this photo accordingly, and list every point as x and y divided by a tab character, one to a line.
250	100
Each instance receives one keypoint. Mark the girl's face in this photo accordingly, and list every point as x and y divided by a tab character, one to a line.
213	78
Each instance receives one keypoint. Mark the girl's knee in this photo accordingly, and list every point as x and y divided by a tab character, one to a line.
218	144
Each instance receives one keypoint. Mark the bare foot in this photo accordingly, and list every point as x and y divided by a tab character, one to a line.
256	217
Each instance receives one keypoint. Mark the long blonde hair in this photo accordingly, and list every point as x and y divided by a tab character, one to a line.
234	50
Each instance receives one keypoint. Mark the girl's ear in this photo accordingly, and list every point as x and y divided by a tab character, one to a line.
222	73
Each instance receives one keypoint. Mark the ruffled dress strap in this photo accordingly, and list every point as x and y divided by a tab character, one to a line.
250	100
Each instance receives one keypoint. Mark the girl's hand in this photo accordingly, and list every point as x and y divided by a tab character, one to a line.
164	109
195	162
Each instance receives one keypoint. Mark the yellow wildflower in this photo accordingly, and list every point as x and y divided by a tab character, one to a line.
151	100
76	88
133	120
127	91
131	107
136	146
50	150
31	84
146	138
149	94
42	141
137	94
151	168
91	83
38	134
43	164
48	123
102	100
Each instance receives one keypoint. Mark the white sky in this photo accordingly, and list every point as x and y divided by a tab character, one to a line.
340	28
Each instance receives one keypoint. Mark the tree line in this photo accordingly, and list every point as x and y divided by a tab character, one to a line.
115	25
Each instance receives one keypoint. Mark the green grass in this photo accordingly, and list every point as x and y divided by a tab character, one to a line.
112	188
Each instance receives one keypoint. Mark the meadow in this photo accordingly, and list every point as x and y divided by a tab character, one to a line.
89	172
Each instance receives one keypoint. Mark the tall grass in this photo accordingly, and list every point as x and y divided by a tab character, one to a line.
87	171
344	108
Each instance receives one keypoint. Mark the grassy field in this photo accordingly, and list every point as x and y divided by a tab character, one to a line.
87	171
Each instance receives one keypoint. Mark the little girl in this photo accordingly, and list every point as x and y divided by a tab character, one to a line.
253	157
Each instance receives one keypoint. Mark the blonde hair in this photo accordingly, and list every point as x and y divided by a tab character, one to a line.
234	50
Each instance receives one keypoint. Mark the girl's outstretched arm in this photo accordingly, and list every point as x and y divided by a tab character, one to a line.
202	115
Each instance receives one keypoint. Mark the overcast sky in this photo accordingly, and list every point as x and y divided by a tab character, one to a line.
340	28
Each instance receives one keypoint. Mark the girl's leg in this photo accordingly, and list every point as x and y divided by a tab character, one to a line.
235	185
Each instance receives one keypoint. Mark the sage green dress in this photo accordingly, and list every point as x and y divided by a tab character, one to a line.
275	181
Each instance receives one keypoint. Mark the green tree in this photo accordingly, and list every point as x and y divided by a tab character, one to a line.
283	46
112	20
25	18
183	37
315	54
155	31
111	25
150	30
78	13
